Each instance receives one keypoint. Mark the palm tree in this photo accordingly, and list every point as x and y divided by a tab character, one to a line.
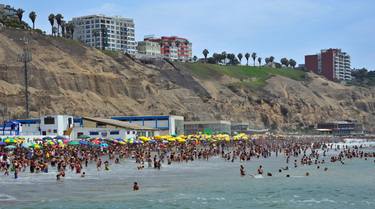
240	56
51	19
72	26
217	57
19	13
284	61
224	57
271	59
54	30
32	17
267	60
59	19
63	28
292	63
247	56
254	56
260	61
205	53
70	29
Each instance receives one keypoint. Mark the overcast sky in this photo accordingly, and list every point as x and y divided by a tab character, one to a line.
282	28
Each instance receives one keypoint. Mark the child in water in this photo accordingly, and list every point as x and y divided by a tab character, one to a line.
106	165
135	186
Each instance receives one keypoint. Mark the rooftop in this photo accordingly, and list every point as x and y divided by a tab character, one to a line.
207	122
119	124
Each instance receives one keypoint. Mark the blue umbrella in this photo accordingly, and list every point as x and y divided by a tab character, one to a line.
26	145
104	145
3	143
83	142
60	137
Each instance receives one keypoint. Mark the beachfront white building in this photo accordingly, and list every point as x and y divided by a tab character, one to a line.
104	32
166	124
59	125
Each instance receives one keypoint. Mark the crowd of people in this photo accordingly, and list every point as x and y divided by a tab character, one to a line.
76	158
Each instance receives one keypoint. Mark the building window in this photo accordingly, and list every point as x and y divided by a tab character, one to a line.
94	133
49	120
114	133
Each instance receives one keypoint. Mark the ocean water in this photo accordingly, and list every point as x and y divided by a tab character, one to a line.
199	184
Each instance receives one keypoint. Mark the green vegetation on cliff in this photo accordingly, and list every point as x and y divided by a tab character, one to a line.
251	76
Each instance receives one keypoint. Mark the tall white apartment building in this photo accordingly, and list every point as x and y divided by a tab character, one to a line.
342	67
104	32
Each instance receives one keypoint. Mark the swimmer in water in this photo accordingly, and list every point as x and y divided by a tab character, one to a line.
260	170
242	171
325	169
83	175
135	186
307	174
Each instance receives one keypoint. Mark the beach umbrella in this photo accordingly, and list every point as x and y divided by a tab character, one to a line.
104	145
143	138
95	141
10	147
9	140
60	137
82	142
138	142
50	143
83	137
26	145
73	143
180	140
47	138
3	143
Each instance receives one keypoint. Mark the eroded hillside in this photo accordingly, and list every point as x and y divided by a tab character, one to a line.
69	78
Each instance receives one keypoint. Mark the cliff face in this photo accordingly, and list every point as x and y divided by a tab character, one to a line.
69	78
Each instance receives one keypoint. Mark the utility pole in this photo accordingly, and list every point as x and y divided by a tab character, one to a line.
25	57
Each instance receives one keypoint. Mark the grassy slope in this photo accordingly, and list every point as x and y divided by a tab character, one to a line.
250	76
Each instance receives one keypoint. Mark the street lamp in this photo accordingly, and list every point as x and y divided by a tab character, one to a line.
25	57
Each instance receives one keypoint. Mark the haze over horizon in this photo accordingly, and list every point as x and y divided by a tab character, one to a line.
281	28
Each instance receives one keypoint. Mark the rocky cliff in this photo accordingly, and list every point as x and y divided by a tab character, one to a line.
69	78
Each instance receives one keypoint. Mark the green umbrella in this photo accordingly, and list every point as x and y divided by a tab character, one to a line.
73	143
83	137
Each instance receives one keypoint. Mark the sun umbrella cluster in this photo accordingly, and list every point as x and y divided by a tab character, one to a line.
84	140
